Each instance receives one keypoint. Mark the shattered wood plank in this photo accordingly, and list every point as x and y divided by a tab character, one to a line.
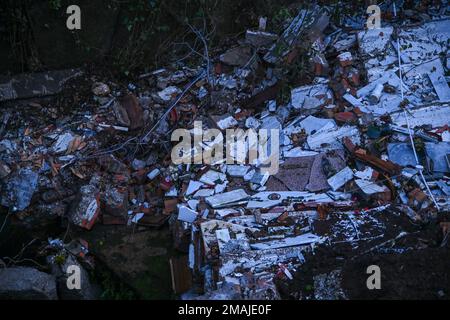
180	273
383	165
261	97
360	154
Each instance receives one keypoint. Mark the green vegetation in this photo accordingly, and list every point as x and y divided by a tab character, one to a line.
112	287
55	4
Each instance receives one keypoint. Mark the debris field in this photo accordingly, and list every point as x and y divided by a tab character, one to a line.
362	118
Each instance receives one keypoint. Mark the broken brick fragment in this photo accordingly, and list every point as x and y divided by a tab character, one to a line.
345	117
416	195
345	59
322	211
353	77
170	206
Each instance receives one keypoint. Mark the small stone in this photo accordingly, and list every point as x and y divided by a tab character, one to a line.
100	89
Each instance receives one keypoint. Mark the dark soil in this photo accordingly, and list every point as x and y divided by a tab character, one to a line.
419	274
413	267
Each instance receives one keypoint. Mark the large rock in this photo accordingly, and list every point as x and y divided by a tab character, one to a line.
87	291
22	283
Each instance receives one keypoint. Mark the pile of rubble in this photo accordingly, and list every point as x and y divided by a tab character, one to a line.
365	141
346	157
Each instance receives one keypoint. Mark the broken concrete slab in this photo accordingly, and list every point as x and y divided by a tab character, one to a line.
31	85
237	170
209	235
225	121
62	143
369	187
310	124
259	260
238	56
212	177
193	187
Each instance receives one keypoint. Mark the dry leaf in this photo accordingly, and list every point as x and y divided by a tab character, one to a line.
77	174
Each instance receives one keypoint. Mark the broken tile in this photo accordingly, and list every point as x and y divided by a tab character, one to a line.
340	178
220	200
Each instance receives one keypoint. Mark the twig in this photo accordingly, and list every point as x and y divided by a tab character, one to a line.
445	240
390	241
173	104
15	262
205	48
19	255
5	120
4	221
